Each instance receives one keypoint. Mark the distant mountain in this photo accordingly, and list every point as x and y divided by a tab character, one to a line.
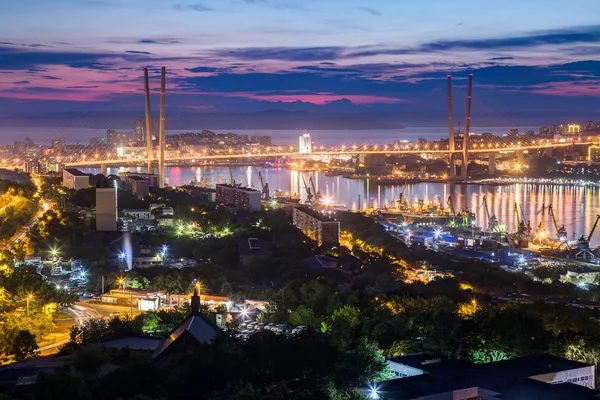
183	120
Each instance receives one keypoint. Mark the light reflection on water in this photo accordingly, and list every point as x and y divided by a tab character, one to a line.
575	207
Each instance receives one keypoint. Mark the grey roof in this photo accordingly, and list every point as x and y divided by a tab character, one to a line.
75	172
199	326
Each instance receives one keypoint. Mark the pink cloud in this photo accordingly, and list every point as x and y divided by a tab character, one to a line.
319	98
581	88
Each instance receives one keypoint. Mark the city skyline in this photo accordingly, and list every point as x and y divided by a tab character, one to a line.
530	62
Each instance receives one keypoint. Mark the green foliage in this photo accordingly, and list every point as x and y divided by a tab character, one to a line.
304	316
23	346
60	386
89	359
151	321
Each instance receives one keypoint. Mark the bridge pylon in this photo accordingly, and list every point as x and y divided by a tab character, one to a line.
456	157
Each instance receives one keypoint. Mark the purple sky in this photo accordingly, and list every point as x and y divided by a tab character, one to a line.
535	57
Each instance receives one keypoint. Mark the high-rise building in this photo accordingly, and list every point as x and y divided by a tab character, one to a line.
138	131
305	144
244	199
544	130
75	179
106	209
321	228
32	167
118	139
513	132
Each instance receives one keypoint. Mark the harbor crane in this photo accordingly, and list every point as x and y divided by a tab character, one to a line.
264	187
583	244
541	236
231	179
493	223
317	193
309	196
523	228
561	233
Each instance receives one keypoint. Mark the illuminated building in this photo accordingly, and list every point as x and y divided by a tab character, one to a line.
319	227
573	128
32	167
75	179
244	199
305	143
106	209
118	139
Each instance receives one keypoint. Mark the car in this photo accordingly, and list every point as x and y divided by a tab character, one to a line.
299	329
115	314
242	326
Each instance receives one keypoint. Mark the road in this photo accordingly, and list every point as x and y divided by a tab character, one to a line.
81	312
19	236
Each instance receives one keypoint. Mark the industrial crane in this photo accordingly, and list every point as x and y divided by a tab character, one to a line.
231	180
315	191
541	234
584	244
309	195
561	233
493	222
523	229
264	186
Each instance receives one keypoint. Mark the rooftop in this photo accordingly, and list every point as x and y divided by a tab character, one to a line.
75	172
447	375
245	189
315	214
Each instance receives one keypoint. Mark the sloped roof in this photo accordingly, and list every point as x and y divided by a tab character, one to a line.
197	326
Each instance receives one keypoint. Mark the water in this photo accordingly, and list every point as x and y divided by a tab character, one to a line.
575	207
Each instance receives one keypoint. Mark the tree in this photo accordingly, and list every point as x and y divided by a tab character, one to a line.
304	316
89	359
24	346
151	321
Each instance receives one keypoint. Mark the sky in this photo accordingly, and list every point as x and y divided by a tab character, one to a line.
531	60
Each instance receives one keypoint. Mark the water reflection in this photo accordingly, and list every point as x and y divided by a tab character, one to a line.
575	207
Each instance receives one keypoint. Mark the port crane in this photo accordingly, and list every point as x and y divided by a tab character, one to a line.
584	244
264	186
541	234
309	195
315	191
493	223
523	228
561	233
231	179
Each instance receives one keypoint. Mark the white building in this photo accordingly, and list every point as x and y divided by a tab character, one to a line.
305	144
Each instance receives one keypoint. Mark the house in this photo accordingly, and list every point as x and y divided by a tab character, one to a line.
250	250
195	330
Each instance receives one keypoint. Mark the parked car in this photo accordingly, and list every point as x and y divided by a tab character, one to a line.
115	314
299	329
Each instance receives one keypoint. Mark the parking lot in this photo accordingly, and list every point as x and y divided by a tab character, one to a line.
245	330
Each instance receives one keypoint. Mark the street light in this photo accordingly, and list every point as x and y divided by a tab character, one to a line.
28	298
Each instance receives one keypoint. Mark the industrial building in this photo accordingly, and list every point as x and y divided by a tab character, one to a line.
244	199
75	179
106	209
322	228
426	376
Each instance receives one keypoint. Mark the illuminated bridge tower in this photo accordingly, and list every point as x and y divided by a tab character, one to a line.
161	132
149	145
454	155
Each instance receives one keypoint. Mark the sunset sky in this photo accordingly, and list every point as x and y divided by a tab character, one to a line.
533	58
